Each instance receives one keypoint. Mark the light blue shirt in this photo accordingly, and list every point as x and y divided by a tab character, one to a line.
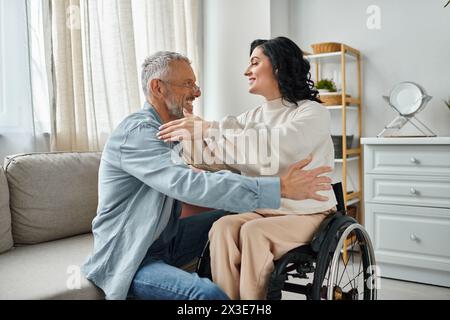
139	178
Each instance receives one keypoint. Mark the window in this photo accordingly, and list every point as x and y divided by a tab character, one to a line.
15	91
17	121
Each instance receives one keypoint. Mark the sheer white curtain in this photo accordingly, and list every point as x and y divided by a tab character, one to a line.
24	117
97	47
39	43
172	25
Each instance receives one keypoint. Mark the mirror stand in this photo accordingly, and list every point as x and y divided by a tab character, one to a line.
392	129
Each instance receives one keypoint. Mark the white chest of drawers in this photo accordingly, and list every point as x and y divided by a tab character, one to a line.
407	207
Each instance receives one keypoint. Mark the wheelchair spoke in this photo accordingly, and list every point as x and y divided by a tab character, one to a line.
342	275
356	278
360	266
350	239
356	242
348	276
351	280
353	260
345	271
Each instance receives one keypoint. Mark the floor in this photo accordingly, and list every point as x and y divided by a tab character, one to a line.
396	290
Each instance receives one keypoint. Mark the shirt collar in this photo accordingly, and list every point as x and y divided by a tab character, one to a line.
277	104
149	108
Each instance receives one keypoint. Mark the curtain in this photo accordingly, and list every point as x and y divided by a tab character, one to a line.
97	47
172	25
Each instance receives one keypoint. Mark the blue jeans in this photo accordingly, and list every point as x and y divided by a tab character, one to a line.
159	276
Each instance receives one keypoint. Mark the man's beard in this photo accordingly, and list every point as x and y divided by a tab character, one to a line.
175	110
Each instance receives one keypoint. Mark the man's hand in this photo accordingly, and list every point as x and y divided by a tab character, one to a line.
300	184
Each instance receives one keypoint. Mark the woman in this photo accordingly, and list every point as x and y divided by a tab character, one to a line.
291	125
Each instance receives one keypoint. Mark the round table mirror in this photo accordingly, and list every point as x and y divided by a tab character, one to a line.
407	98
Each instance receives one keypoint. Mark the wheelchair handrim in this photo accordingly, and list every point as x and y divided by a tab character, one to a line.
368	254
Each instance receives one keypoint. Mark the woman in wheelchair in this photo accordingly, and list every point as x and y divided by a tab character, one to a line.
244	246
290	125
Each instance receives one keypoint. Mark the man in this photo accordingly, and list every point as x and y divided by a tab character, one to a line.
139	242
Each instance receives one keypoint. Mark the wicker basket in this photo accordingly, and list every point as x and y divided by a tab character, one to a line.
337	143
326	47
331	99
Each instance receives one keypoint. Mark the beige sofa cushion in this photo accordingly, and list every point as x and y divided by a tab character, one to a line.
6	240
48	270
52	195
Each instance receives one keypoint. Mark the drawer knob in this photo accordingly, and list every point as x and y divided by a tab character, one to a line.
413	191
414	160
414	238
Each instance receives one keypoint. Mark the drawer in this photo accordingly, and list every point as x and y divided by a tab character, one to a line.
408	190
407	159
411	236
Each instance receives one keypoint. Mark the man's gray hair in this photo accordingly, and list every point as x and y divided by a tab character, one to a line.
156	66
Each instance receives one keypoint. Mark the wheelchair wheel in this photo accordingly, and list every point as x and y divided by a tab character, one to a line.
351	273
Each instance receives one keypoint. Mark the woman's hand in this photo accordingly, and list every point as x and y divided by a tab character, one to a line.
188	128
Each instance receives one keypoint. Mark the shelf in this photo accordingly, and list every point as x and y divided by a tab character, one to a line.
349	52
351	101
348	159
352	201
353	151
339	107
353	195
329	57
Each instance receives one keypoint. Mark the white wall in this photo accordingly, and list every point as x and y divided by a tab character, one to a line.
279	18
413	44
229	28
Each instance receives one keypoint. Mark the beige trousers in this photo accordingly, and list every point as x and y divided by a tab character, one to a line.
244	246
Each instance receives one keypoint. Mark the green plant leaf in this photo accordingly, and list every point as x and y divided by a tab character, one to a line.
326	84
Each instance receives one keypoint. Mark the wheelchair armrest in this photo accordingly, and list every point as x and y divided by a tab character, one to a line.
321	233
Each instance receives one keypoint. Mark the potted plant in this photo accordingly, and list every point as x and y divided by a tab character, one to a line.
327	93
326	85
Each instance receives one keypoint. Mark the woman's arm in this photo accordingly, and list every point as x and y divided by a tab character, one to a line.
257	147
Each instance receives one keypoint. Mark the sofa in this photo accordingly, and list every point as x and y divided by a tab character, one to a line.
47	203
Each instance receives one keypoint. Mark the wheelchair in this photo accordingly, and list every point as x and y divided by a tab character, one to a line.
338	264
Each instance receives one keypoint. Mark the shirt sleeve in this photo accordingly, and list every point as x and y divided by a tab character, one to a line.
157	165
252	145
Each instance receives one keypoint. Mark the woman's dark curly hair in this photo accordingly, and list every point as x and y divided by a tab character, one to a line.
291	70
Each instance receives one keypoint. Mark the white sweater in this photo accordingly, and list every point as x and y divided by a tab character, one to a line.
292	133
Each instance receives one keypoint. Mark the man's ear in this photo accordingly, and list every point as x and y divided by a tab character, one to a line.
155	88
